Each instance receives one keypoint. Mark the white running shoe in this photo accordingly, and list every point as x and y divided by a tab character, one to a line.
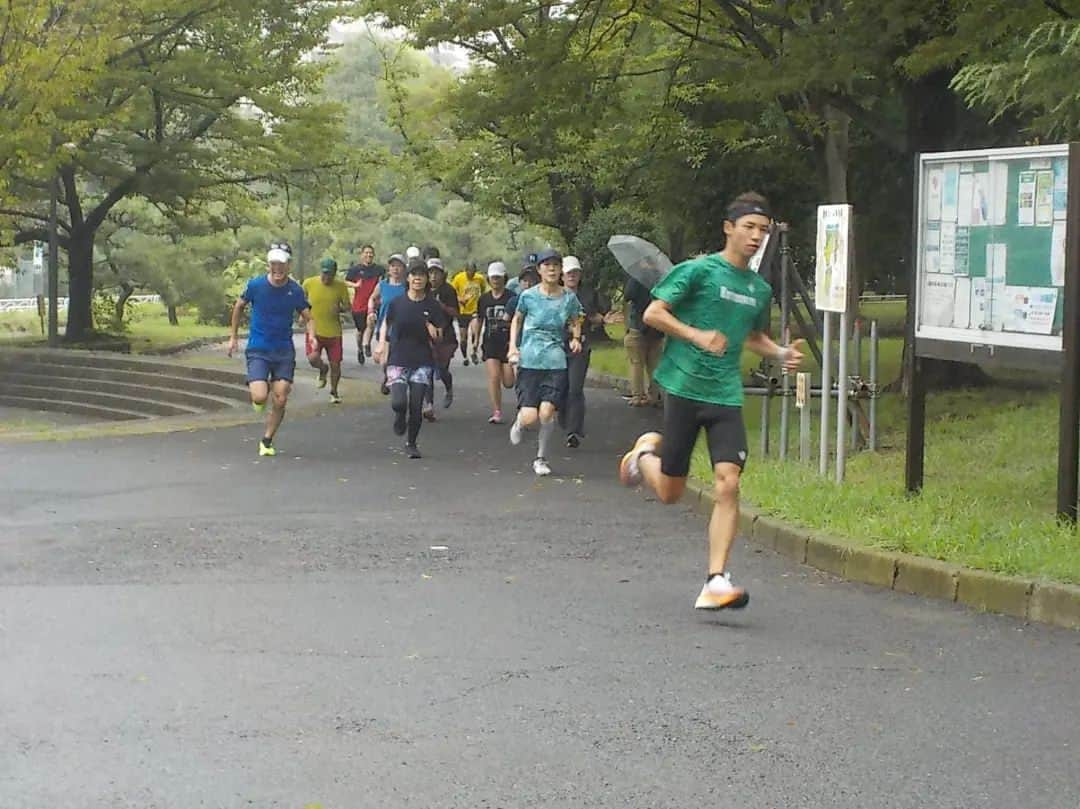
629	473
541	468
719	593
515	432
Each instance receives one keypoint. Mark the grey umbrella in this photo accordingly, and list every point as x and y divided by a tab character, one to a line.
642	260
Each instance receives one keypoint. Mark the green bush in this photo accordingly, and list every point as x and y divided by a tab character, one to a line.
601	268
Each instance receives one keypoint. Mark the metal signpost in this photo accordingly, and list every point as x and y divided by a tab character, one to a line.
997	252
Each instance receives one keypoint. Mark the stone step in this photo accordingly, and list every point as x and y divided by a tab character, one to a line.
91	412
120	362
148	386
79	395
201	387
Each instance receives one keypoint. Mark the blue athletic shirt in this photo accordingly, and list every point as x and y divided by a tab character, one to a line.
546	319
387	293
273	310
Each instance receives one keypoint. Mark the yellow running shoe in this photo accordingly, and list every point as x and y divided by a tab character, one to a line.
266	449
259	407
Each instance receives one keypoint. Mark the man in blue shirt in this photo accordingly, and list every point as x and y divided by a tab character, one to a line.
275	299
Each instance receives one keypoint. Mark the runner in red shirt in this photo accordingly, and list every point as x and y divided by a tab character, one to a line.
363	279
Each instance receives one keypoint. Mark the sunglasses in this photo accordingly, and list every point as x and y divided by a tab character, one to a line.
281	246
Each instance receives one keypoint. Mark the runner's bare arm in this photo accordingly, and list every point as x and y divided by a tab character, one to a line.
237	309
380	343
761	344
515	330
660	317
309	322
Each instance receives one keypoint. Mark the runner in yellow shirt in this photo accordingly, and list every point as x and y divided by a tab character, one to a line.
329	297
469	286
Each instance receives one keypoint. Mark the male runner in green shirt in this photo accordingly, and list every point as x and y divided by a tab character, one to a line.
710	308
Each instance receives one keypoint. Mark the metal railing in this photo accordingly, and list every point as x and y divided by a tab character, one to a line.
31	304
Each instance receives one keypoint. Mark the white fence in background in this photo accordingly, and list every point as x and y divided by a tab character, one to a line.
30	304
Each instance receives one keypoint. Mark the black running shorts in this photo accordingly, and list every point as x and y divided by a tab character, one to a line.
535	386
684	418
496	346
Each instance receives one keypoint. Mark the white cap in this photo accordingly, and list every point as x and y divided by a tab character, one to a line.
496	268
279	255
571	263
435	264
412	252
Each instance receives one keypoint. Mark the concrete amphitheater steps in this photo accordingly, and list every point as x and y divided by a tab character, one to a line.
102	386
168	389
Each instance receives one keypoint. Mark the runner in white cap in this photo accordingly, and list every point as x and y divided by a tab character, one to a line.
491	331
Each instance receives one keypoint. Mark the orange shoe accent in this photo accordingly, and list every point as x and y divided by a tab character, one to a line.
735	599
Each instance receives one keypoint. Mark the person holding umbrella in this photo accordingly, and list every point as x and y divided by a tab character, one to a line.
595	308
710	308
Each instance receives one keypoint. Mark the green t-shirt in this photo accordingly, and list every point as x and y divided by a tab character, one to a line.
709	293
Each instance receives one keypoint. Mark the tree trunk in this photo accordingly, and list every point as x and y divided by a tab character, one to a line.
174	319
80	319
835	153
126	291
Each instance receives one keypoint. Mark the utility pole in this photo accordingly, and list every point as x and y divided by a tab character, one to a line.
54	262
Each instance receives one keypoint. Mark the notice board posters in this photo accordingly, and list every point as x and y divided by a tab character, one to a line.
990	263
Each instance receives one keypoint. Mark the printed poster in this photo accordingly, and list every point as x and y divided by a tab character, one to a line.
950	192
935	177
980	304
980	199
996	258
966	201
1030	309
1057	254
932	247
1061	187
938	300
962	253
1044	198
833	257
948	247
999	193
1026	199
962	305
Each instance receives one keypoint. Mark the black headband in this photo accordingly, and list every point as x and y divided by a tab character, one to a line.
738	210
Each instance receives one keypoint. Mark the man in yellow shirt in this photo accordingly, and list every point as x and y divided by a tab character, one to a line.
469	286
329	297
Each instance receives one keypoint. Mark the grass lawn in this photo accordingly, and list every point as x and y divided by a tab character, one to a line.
148	329
990	481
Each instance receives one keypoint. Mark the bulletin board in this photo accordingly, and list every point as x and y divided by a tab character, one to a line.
990	250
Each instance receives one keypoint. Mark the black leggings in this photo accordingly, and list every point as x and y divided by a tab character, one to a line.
409	398
447	378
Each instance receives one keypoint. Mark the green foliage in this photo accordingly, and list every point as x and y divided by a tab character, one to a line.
591	244
1032	77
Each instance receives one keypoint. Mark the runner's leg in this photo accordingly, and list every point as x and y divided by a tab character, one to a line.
369	332
577	366
399	401
259	391
547	428
494	380
417	393
279	395
724	521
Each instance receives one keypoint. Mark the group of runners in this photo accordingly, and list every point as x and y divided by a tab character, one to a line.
405	316
535	339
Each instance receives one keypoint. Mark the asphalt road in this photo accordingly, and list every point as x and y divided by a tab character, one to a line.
185	625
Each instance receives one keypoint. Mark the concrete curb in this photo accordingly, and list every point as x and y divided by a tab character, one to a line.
1029	599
